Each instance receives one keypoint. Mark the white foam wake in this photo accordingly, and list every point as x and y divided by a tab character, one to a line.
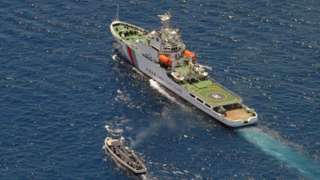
155	85
113	132
115	57
281	151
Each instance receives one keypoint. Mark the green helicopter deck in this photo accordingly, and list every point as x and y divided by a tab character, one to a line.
211	93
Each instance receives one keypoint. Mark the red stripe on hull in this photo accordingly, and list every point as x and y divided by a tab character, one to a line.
131	58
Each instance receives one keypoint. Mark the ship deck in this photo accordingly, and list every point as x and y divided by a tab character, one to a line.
183	70
130	34
212	93
237	114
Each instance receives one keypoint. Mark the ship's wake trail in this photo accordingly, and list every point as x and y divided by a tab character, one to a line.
279	150
268	143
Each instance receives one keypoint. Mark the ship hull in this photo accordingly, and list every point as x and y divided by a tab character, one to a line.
137	57
121	162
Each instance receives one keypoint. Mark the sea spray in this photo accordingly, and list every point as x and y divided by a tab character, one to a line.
115	57
114	131
155	85
142	135
281	151
164	121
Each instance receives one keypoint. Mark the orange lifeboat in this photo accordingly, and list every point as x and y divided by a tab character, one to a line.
165	60
189	54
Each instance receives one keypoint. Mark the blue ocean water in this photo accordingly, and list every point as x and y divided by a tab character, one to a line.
60	89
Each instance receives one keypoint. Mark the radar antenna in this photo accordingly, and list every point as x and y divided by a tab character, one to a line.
165	19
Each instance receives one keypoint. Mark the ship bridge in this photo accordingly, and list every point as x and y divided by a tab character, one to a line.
167	40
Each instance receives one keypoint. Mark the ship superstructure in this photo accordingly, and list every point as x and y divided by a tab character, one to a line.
162	55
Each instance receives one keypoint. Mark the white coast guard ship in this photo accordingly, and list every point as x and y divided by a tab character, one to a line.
162	55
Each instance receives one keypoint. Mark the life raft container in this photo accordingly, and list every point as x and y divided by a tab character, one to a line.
189	54
165	60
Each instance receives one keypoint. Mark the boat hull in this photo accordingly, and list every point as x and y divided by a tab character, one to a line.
121	162
136	55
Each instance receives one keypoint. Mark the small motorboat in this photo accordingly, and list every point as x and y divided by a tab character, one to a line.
124	156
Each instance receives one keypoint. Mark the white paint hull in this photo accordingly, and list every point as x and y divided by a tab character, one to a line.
157	73
137	56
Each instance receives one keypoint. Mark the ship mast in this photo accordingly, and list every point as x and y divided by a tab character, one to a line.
165	20
171	43
116	18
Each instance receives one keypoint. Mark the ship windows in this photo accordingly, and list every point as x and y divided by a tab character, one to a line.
207	105
199	100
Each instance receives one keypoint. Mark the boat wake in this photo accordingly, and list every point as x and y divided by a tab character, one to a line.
273	146
155	85
115	126
115	57
114	132
265	141
268	143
